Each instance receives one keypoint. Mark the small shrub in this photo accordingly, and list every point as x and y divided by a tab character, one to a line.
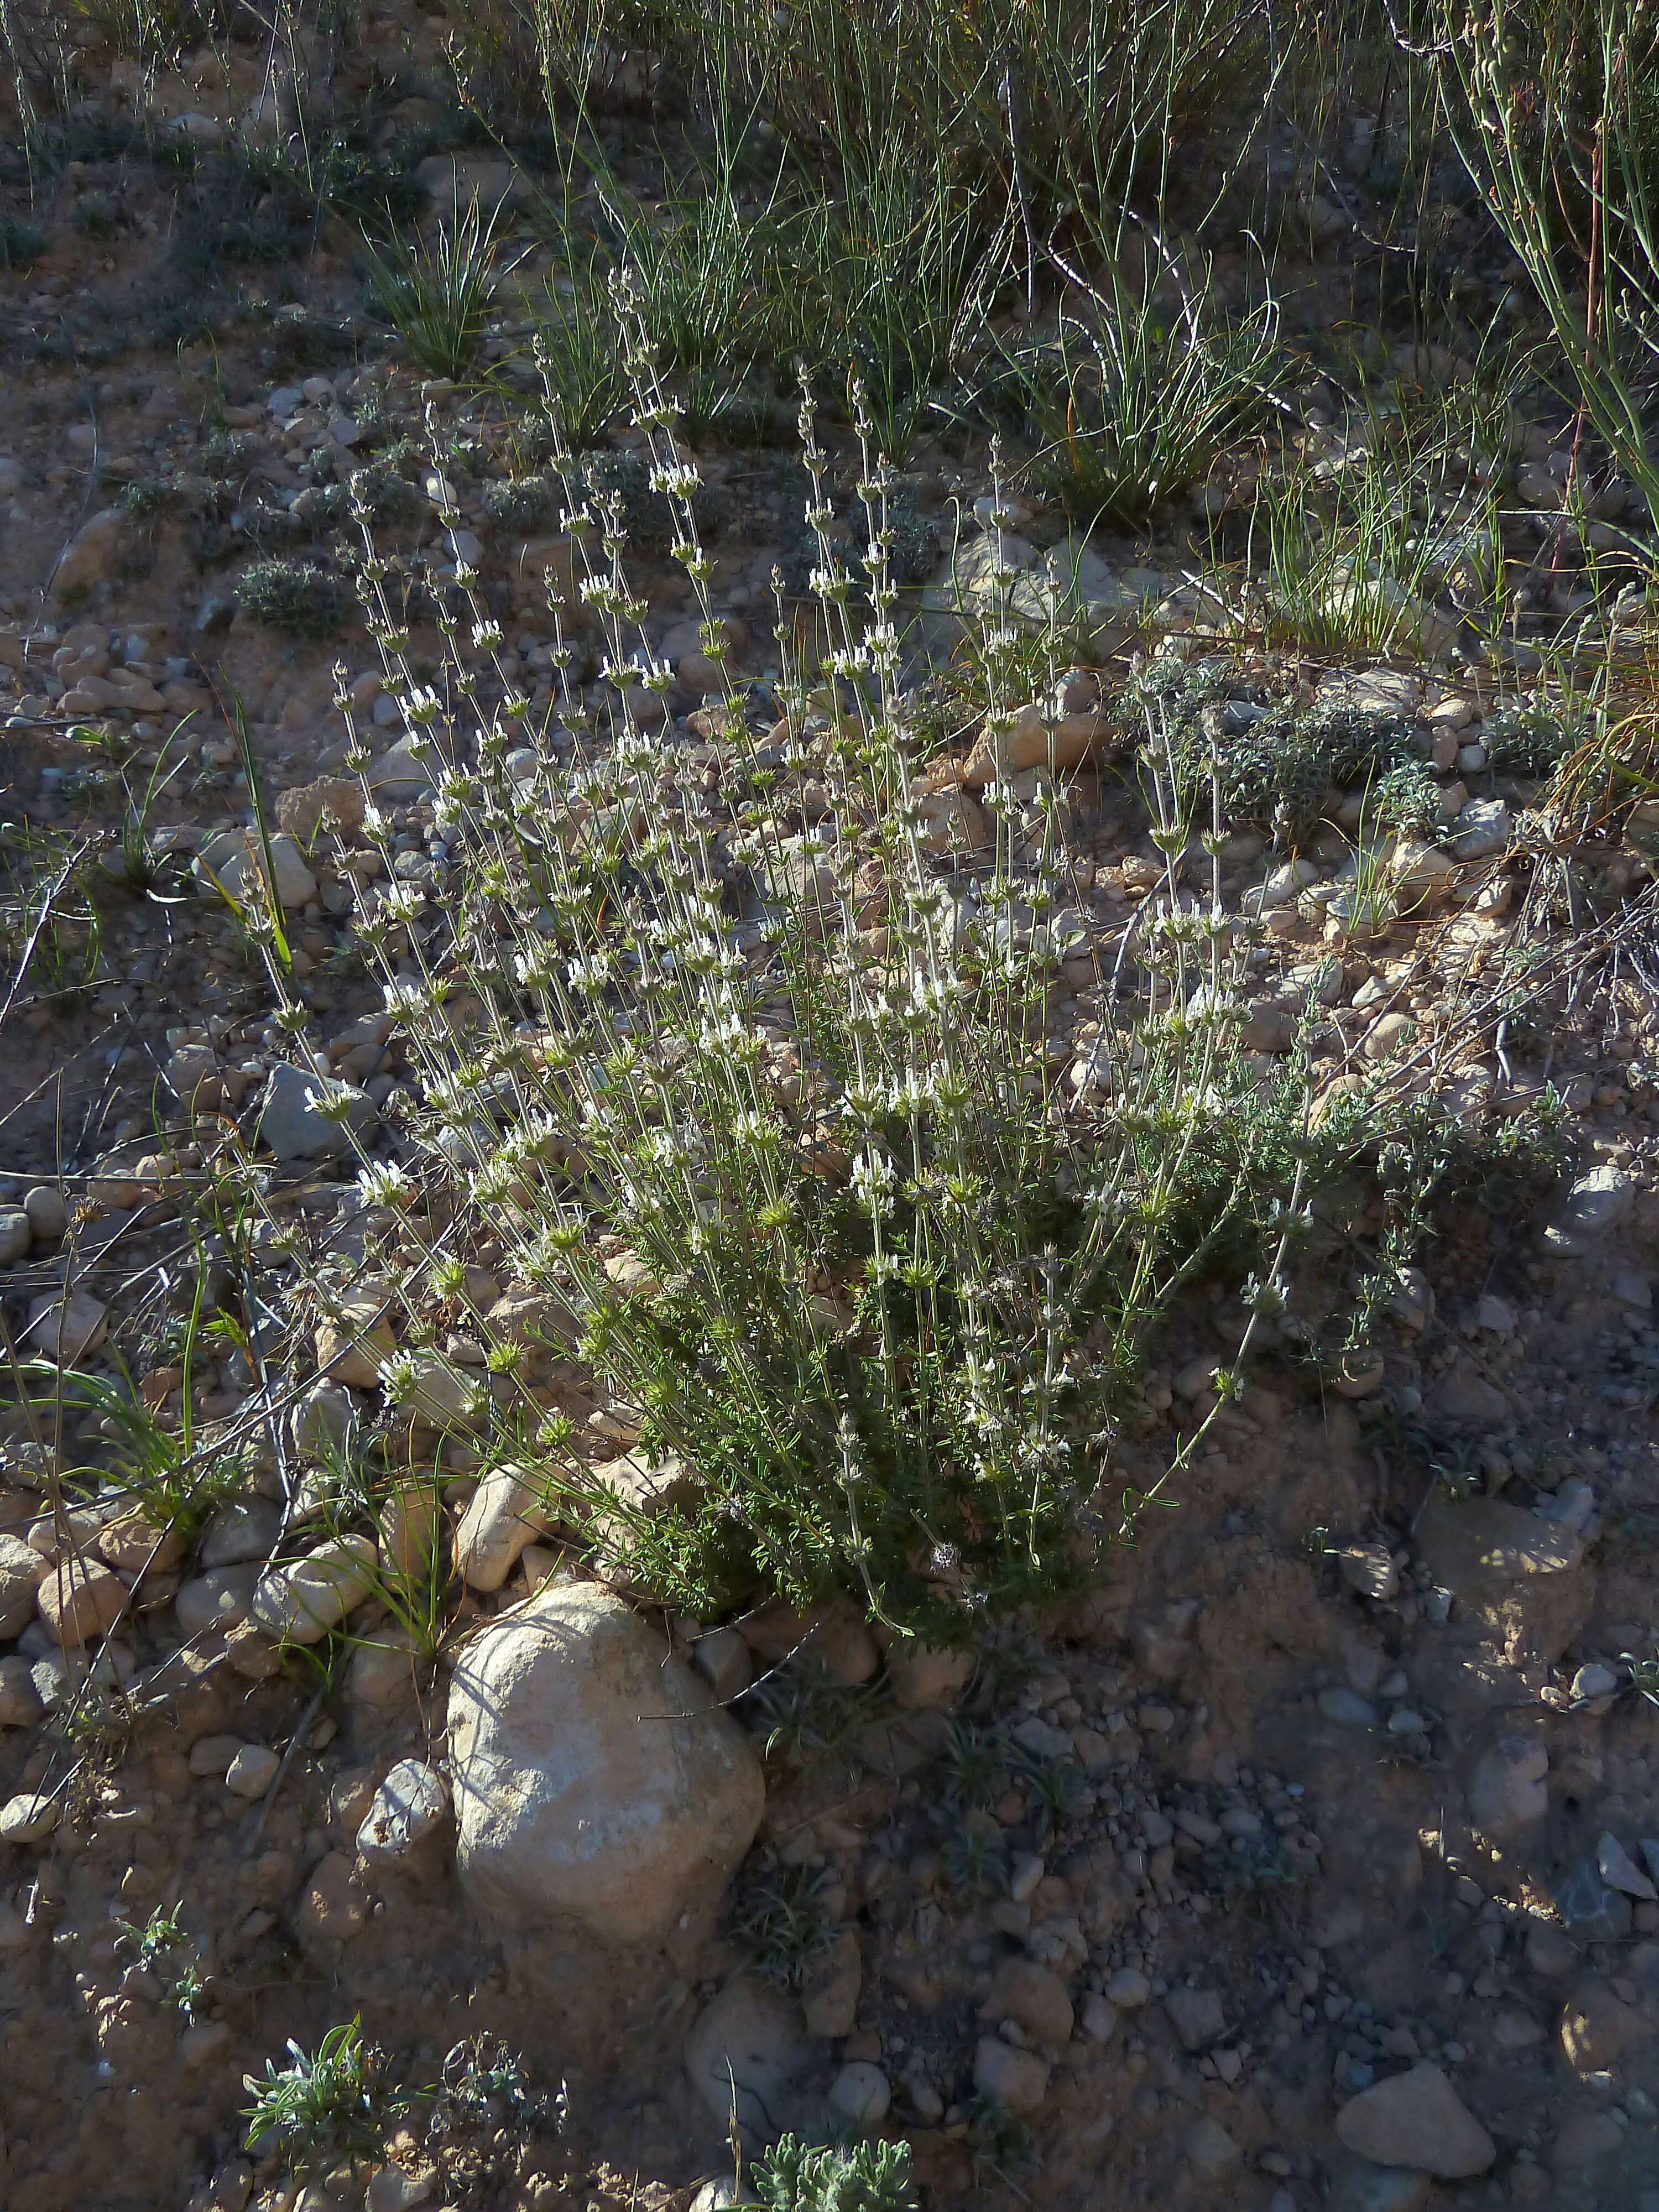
22	244
163	1949
386	496
912	557
1533	740
229	454
818	1203
869	2176
295	596
1407	799
522	505
147	498
621	482
1278	769
301	339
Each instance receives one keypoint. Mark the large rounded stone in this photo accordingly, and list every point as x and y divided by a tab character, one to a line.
1416	2120
594	1780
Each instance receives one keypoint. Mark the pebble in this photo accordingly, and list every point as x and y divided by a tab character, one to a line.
1196	2016
333	1906
322	1421
21	1570
212	1755
1597	1202
925	1676
409	1805
220	1599
79	1599
1347	1707
16	1237
48	1215
251	1772
1506	1790
1368	1571
394	2189
1035	1997
1391	1033
67	1328
292	1126
19	1701
134	1545
233	859
1592	1910
237	1534
203	2043
1099	2017
507	1512
1128	1989
1026	1873
385	1668
300	1602
721	1657
1017	2080
1594	1681
1211	2151
1618	1867
860	2093
27	1819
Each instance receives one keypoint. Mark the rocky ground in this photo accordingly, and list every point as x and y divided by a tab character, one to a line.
1311	1859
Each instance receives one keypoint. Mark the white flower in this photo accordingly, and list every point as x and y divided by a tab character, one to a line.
536	968
384	1183
402	902
873	1181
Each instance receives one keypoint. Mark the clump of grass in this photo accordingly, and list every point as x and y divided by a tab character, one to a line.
579	353
1134	396
707	276
295	596
785	1930
1352	550
1554	114
909	277
325	2108
438	293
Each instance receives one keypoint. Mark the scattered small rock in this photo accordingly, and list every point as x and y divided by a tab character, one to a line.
251	1772
1017	2080
300	1601
29	1817
409	1807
